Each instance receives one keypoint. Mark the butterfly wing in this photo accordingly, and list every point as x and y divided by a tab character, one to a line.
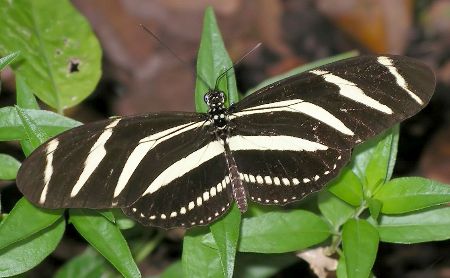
292	137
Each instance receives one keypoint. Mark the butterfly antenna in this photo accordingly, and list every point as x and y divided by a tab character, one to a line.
236	63
173	53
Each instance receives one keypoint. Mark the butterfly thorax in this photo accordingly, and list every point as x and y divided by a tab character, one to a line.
217	112
219	116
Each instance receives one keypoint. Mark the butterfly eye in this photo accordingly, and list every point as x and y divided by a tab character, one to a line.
206	98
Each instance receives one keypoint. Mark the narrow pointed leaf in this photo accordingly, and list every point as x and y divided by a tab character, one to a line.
198	259
8	59
360	244
408	194
35	134
347	187
25	97
11	127
8	167
381	164
421	226
212	61
226	235
24	221
336	211
106	238
28	253
88	264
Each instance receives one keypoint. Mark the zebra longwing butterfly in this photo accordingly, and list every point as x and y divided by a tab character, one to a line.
275	146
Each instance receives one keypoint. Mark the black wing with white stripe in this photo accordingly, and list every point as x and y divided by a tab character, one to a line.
275	146
109	163
326	112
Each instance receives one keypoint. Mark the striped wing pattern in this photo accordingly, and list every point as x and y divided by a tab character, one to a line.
287	140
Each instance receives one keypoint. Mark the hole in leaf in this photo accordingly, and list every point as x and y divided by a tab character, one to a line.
74	65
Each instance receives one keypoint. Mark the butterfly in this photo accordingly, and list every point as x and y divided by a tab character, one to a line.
275	146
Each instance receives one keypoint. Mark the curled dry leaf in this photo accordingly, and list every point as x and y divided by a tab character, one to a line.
319	263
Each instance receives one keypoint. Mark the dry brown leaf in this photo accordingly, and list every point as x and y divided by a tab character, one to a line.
319	263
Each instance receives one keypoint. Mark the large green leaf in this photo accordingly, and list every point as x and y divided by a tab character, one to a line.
382	161
61	56
8	59
11	127
279	232
412	193
347	187
24	221
24	95
87	265
106	238
375	159
200	260
8	167
212	61
420	226
26	254
34	133
336	211
255	265
360	244
226	235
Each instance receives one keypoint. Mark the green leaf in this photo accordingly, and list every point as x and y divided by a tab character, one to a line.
213	60
347	187
420	226
108	215
336	211
24	221
24	255
8	167
199	260
226	235
286	231
8	59
11	127
341	271
378	152
87	265
35	135
374	207
412	193
360	244
52	38
25	97
175	270
304	68
106	238
122	220
382	161
254	265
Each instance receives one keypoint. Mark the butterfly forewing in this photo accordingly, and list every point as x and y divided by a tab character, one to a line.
95	165
360	97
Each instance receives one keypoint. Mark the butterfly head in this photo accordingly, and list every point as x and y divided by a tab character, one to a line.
215	99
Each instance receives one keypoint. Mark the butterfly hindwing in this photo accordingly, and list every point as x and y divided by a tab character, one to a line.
196	198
